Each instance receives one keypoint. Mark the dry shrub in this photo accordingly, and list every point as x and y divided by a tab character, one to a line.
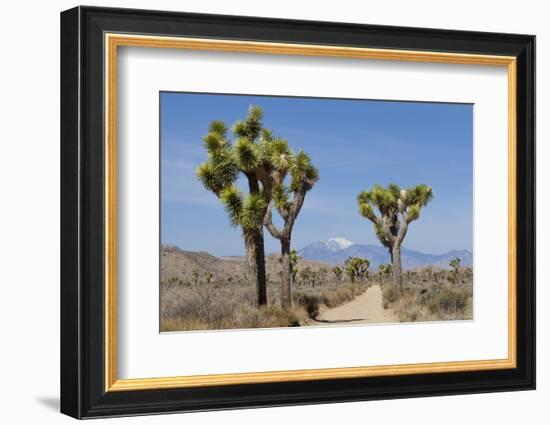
270	316
309	301
389	295
449	300
215	306
408	309
431	301
333	298
187	307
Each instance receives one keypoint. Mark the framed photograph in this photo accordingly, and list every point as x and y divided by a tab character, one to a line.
261	212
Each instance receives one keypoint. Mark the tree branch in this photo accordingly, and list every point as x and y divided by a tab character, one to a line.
294	210
276	233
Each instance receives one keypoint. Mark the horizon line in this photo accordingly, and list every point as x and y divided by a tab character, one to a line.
275	252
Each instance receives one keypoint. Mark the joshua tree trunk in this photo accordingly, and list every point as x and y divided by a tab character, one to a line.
286	273
457	276
396	268
285	236
254	243
258	251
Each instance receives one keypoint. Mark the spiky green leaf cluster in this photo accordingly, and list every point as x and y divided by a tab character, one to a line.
280	155
303	173
366	210
280	196
220	170
214	178
419	195
384	198
246	155
232	200
253	211
266	135
218	127
251	127
414	212
245	211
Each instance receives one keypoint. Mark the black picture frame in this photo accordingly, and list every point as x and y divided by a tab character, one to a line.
82	218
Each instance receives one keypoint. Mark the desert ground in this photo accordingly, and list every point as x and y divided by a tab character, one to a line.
199	291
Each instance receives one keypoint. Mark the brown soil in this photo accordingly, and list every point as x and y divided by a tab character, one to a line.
366	308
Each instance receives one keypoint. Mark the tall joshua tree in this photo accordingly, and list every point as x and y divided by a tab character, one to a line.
397	208
288	199
248	156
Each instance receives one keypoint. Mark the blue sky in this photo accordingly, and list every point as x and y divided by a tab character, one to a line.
354	144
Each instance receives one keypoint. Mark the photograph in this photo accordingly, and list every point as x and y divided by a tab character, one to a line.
281	211
286	210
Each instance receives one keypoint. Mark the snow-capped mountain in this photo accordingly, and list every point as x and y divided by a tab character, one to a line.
338	243
324	250
337	250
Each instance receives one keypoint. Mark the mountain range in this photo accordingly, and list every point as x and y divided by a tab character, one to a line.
337	250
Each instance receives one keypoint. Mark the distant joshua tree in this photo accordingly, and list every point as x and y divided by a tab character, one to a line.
208	277
455	264
308	276
226	162
384	270
357	268
294	257
288	199
337	273
397	209
322	275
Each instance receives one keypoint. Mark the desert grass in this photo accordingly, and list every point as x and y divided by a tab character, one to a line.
206	306
425	299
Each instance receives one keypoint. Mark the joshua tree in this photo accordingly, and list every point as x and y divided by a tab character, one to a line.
288	199
248	156
308	276
322	275
208	277
397	209
384	270
455	264
357	268
337	273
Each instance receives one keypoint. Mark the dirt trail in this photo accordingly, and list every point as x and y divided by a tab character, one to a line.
366	308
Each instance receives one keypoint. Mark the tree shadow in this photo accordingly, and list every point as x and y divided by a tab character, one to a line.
49	402
338	321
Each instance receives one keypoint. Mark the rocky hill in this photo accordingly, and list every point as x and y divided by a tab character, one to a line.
177	263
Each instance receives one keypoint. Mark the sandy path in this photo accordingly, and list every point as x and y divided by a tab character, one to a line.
366	308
